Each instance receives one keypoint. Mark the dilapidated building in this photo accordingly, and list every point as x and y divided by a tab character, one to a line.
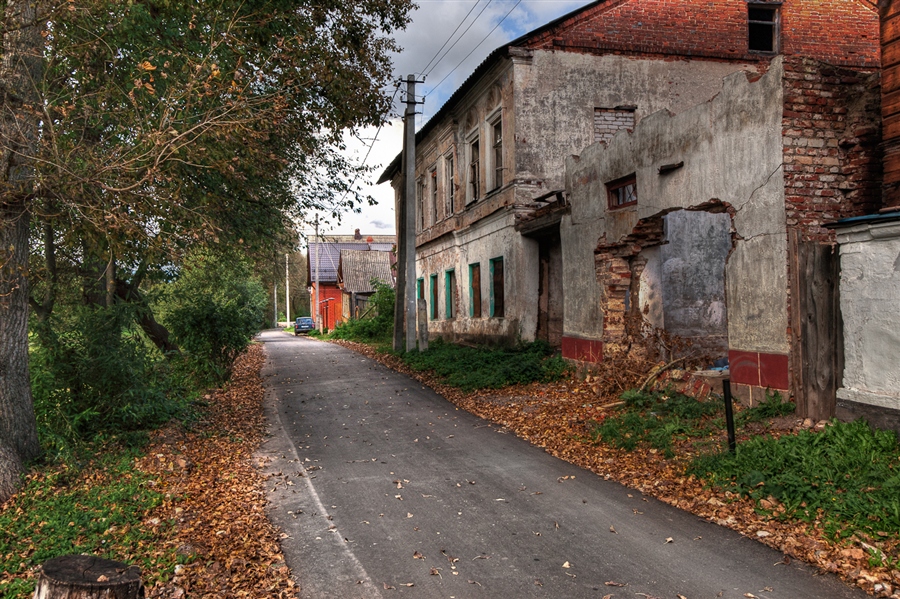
494	261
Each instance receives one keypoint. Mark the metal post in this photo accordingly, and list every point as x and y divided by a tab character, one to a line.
729	415
287	290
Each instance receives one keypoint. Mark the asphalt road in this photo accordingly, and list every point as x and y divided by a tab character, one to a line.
384	489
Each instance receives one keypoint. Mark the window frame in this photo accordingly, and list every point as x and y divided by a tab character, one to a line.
450	293
474	290
449	185
496	126
473	168
432	175
498	299
420	204
775	24
433	308
613	196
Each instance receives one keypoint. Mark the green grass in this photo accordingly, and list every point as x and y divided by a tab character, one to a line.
848	476
660	418
95	509
470	368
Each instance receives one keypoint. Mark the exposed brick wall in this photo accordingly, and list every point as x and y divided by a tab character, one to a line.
841	32
831	130
609	121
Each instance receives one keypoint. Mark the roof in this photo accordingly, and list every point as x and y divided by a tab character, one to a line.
482	69
327	254
357	268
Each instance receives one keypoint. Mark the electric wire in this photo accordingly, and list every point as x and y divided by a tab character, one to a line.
426	70
475	47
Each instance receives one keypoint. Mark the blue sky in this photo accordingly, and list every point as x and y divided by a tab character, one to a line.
487	24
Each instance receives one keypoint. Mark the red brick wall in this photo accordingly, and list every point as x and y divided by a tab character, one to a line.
890	100
844	32
831	131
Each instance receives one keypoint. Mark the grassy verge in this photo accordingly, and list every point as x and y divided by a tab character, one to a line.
99	509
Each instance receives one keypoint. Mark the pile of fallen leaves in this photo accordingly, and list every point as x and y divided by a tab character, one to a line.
556	416
216	499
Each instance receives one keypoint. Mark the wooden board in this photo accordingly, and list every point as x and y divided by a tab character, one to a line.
816	327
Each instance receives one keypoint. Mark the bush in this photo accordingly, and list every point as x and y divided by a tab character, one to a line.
93	374
213	309
376	328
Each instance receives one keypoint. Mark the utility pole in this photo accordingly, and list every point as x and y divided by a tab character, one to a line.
275	293
406	221
315	311
287	290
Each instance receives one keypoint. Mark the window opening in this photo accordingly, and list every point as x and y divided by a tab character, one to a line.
434	196
475	290
497	304
450	293
474	167
498	153
434	297
420	204
622	192
762	22
448	182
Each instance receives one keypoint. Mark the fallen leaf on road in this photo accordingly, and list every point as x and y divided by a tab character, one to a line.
670	540
612	583
387	587
566	565
418	555
613	529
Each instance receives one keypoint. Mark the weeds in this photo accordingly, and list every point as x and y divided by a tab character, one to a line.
470	368
848	476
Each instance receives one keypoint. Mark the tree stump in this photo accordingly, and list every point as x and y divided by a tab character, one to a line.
88	577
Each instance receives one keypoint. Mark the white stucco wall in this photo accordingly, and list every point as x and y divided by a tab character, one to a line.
731	146
870	304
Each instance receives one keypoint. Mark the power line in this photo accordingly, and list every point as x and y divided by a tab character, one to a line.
476	47
457	39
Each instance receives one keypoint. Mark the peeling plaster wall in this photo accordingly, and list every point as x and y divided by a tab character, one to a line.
870	297
557	92
489	238
732	151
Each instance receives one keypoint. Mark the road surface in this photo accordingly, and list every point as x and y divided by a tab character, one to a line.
384	489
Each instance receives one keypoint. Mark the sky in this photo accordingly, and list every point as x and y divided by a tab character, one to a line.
471	29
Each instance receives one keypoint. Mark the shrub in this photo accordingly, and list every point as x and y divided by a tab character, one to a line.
374	328
213	309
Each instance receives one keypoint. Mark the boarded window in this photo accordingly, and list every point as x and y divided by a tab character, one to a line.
622	192
434	297
450	293
609	121
497	292
762	22
475	290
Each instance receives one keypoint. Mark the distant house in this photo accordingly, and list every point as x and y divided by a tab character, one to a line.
356	271
323	259
491	164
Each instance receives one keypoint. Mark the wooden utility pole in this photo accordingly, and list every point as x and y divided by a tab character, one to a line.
287	290
315	311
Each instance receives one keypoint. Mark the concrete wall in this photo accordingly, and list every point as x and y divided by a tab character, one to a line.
870	297
556	94
731	147
489	238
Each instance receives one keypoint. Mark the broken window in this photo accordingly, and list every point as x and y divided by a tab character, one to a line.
434	195
474	168
475	290
450	293
449	187
622	192
420	204
497	307
609	121
434	297
763	22
497	137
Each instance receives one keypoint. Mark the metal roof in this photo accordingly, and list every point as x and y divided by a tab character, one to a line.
357	269
327	254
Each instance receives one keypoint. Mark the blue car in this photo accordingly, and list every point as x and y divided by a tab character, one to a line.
303	325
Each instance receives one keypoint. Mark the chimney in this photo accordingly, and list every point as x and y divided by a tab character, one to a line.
356	235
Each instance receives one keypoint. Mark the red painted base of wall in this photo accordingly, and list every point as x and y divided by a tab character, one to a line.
759	370
583	350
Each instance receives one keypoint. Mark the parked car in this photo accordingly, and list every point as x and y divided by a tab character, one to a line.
303	325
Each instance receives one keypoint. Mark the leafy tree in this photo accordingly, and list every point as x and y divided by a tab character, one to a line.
134	130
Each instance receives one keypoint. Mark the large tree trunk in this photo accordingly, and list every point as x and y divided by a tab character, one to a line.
20	72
